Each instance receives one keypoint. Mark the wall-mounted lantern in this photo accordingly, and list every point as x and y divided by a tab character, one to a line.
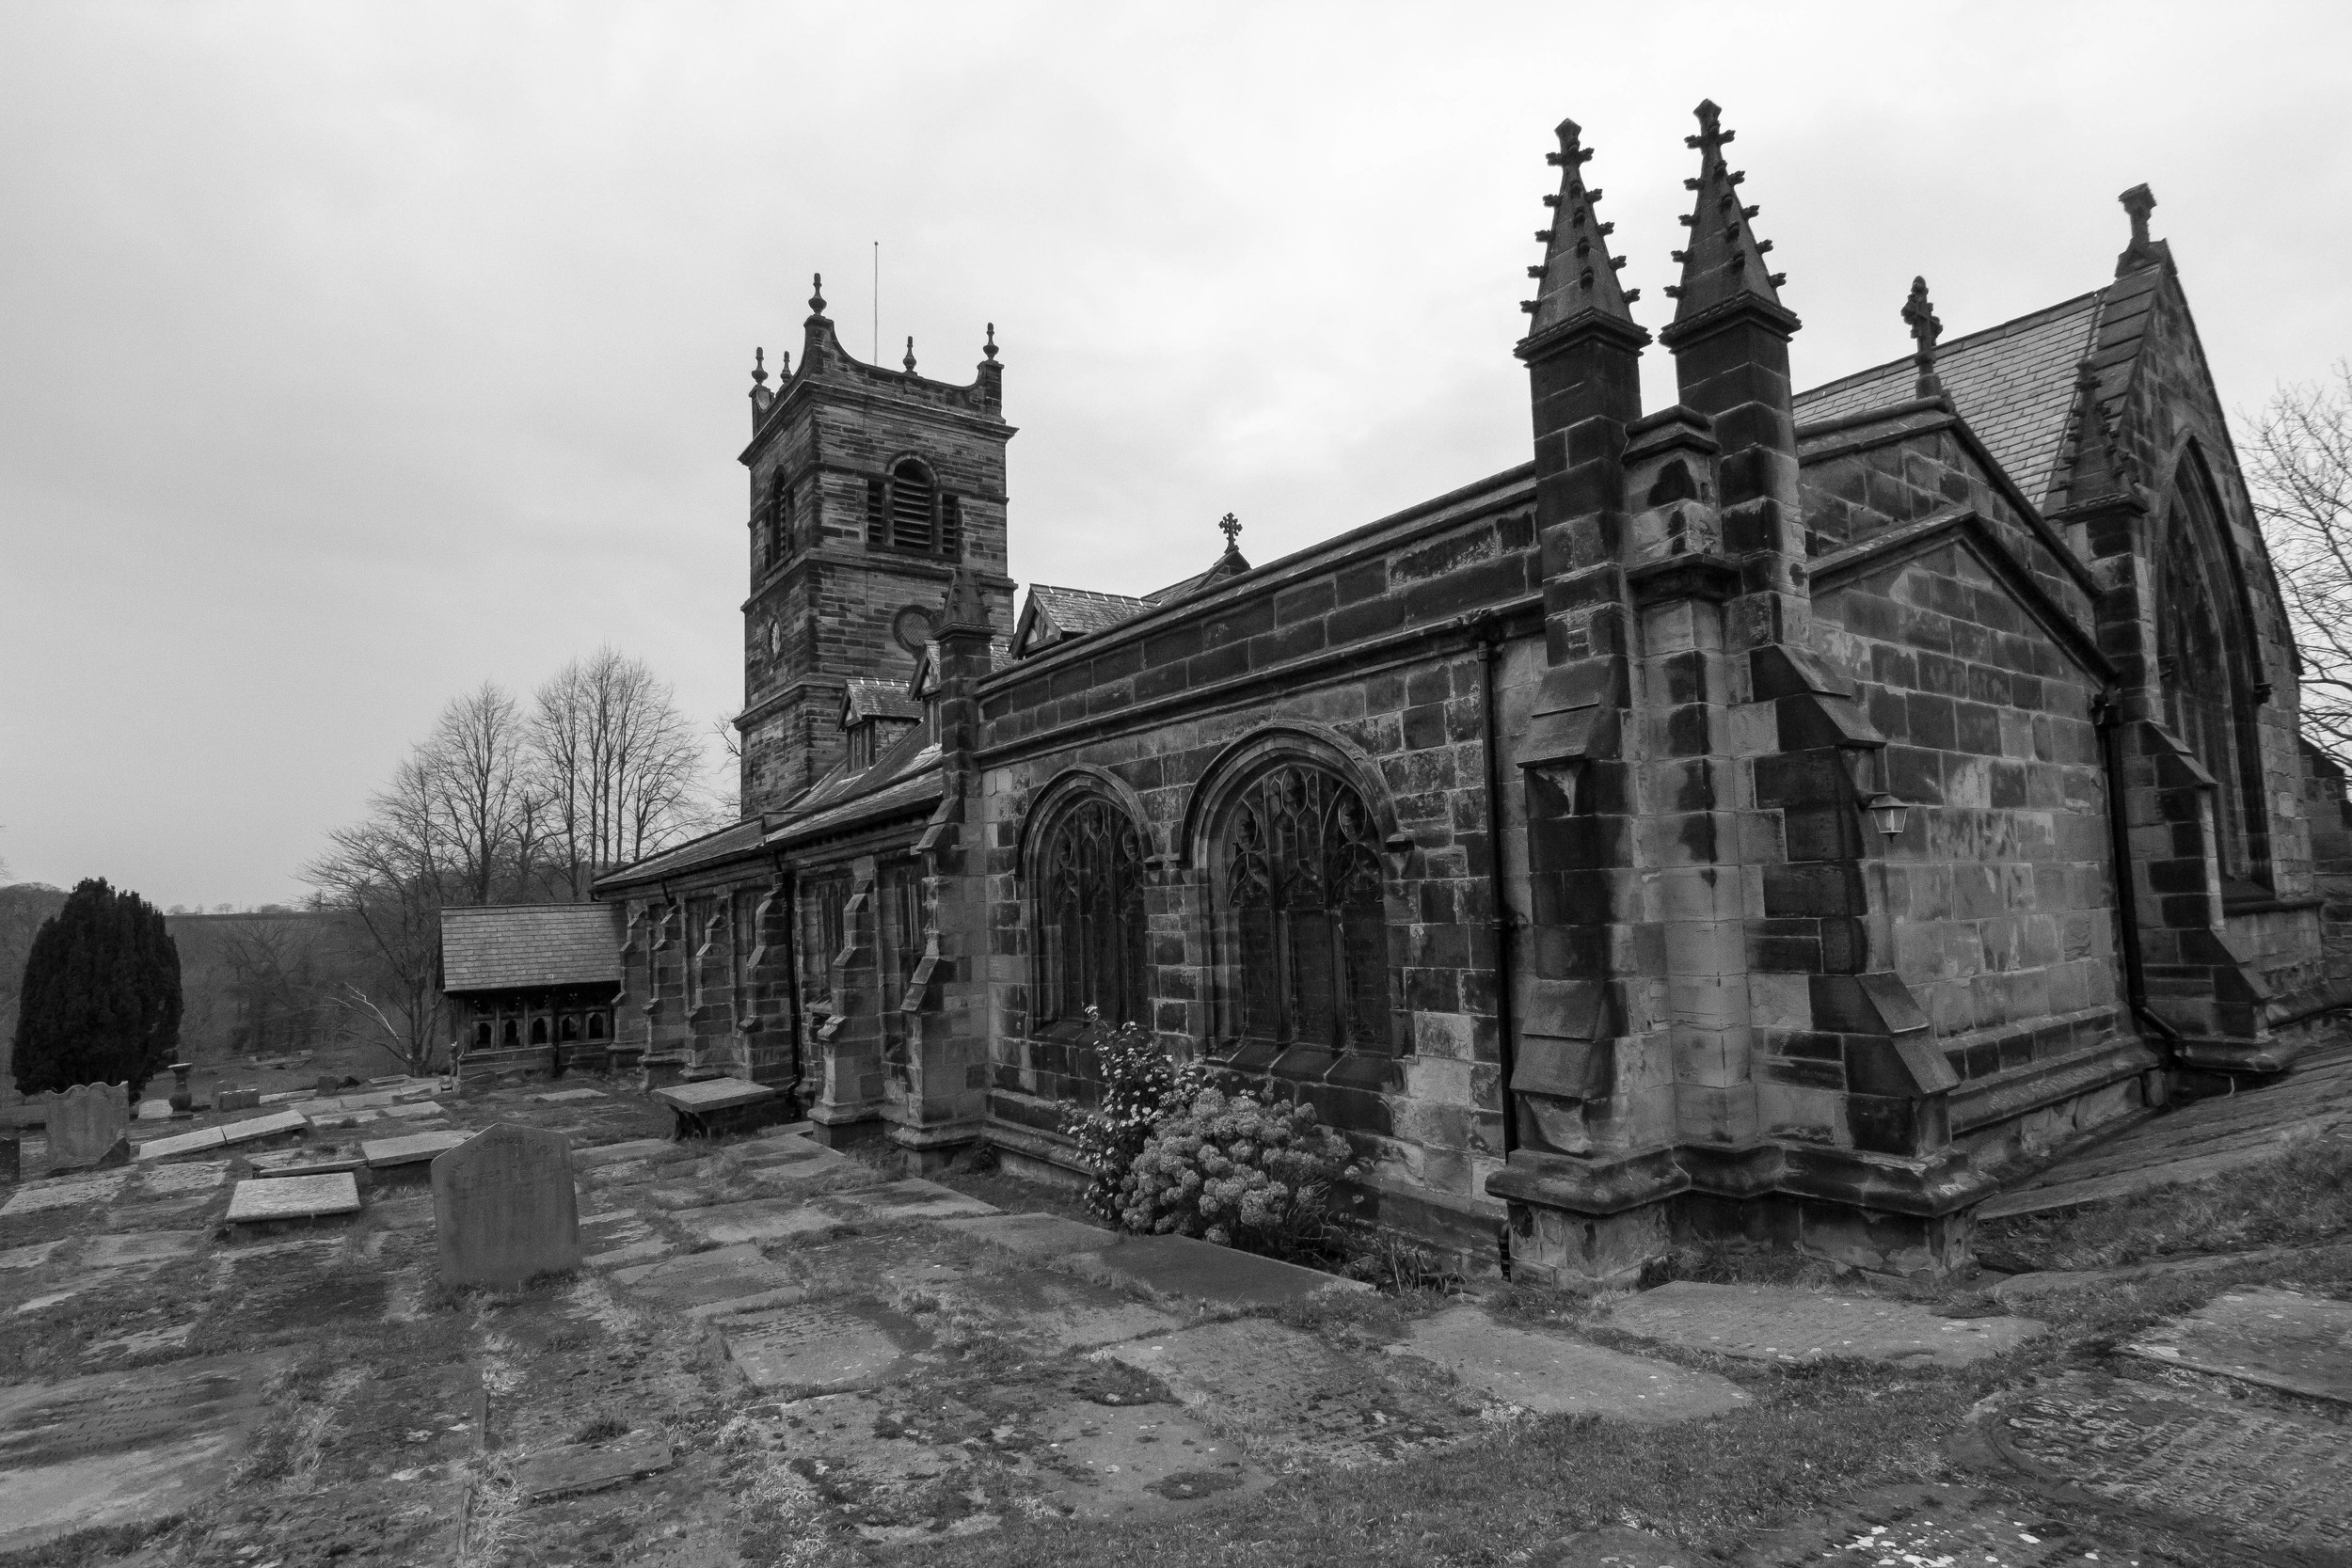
1886	812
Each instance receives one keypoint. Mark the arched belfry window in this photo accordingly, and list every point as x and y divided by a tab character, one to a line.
1299	872
907	511
1090	916
779	522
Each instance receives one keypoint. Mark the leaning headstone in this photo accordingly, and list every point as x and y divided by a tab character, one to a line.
86	1124
504	1208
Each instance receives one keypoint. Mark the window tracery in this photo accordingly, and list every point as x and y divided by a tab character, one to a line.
1091	923
1309	919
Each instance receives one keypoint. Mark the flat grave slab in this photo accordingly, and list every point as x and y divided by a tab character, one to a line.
705	1278
822	1347
180	1143
2279	1338
635	1149
417	1149
1551	1374
65	1192
1202	1270
119	1447
118	1248
760	1219
254	1128
1033	1235
304	1162
564	1097
645	1249
1035	1306
153	1110
1770	1323
31	1257
588	1466
294	1197
2268	1484
422	1110
159	1180
1290	1395
909	1199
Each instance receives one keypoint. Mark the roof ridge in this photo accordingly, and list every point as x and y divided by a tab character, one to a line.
1953	346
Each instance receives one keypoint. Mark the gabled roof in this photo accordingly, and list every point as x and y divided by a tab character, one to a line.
861	700
1233	563
522	946
1052	614
2014	383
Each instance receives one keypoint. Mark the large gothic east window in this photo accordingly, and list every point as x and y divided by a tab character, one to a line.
1302	885
2206	701
1089	870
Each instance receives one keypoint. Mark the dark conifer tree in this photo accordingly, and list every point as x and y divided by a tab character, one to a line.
101	1001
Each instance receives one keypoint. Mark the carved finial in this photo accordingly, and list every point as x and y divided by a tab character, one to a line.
759	368
1711	137
2142	252
817	295
1925	329
988	350
1230	526
909	360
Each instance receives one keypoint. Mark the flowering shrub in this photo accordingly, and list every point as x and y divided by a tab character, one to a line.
1140	1085
1234	1170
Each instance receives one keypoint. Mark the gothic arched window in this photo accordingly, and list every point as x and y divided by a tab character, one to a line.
1300	870
2202	670
1090	918
779	522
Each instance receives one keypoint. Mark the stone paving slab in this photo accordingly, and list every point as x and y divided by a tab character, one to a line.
909	1199
645	1251
302	1162
118	1248
254	1128
181	1143
416	1148
705	1278
2268	1482
2278	1339
31	1257
822	1347
119	1447
1551	1374
2019	1288
761	1219
635	1149
294	1197
1033	1235
1202	1270
1288	1396
66	1192
184	1179
1770	1323
588	1466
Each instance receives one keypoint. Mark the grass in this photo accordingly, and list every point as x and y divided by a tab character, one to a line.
2301	1197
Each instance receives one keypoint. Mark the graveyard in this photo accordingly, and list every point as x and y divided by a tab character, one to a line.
532	1323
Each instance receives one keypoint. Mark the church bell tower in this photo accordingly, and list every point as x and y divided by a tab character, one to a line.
869	487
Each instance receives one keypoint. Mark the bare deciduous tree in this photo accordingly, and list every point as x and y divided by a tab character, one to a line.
485	792
2299	468
390	872
622	769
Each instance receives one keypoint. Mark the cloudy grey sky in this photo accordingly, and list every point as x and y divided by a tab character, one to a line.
355	352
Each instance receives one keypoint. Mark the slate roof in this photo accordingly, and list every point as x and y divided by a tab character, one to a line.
1076	611
865	699
520	947
2014	383
1233	563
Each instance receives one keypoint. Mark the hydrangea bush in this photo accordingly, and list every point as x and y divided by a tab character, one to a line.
1141	1086
1236	1170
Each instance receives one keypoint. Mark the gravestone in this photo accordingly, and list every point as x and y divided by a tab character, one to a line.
87	1124
504	1208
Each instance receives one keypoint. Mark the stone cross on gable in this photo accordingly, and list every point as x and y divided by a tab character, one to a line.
1925	329
1232	527
2138	203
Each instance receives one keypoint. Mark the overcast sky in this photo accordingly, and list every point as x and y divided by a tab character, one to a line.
351	355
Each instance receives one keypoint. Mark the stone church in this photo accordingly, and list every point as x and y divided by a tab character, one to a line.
1778	814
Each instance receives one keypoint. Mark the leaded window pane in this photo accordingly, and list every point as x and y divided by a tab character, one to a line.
1091	893
1303	881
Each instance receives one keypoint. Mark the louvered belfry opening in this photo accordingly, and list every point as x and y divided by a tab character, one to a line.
912	524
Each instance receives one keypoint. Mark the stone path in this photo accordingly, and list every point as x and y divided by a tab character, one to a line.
2207	1137
2278	1339
1767	1322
